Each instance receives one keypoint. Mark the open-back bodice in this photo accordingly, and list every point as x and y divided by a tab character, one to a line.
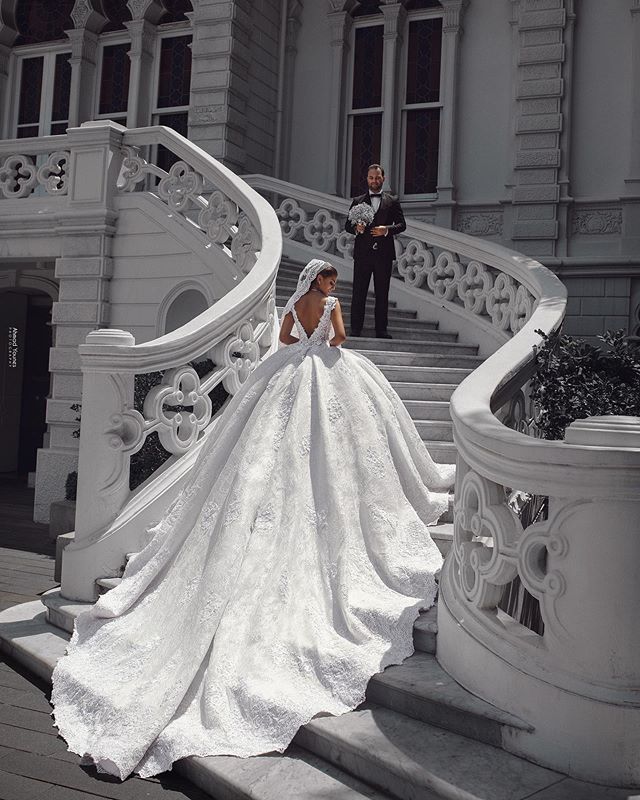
322	331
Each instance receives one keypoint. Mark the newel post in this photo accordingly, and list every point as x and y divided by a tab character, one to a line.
596	608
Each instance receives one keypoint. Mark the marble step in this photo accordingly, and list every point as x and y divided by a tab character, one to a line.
105	584
416	374
29	639
413	760
297	773
432	356
431	343
434	430
441	452
423	392
428	409
421	689
425	631
343	292
343	295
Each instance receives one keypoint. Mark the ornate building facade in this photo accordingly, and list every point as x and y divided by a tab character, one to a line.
512	120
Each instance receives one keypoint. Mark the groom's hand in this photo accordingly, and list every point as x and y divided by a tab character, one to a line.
379	230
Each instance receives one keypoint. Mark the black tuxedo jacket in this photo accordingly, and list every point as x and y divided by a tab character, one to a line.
378	248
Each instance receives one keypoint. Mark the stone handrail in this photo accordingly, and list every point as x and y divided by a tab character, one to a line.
29	165
579	674
240	232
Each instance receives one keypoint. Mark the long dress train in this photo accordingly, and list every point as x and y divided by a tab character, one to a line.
288	572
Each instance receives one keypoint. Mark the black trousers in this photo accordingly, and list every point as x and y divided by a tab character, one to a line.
363	269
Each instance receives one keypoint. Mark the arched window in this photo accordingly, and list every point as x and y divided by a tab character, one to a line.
187	305
176	10
43	21
117	12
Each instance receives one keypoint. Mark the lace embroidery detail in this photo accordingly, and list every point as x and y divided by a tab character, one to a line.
288	571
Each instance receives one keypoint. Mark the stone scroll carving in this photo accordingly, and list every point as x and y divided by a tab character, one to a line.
20	176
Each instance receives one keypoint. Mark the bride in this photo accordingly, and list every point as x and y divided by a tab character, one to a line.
288	572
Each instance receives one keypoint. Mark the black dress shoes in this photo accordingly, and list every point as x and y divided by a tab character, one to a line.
383	335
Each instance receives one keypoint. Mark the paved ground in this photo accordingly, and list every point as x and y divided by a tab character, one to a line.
34	762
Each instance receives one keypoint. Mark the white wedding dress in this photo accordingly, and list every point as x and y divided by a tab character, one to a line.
288	572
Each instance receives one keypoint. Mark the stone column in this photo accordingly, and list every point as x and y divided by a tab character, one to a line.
8	35
340	25
394	16
145	15
631	225
219	85
84	271
283	137
451	33
540	91
88	22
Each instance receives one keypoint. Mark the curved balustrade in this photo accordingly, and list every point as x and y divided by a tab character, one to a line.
45	168
580	675
234	334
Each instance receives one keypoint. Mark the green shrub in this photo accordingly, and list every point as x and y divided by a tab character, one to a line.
575	379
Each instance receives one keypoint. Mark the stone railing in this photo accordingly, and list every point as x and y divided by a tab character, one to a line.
232	336
576	674
44	171
467	284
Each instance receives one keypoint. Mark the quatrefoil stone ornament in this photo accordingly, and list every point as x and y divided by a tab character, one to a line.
245	245
444	277
219	217
321	230
415	263
291	217
53	173
474	286
501	301
240	354
486	532
180	186
180	407
17	177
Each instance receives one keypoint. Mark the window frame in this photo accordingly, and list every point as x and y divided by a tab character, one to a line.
49	52
109	39
360	22
404	107
399	108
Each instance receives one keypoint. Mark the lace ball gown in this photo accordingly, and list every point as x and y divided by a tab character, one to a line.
288	572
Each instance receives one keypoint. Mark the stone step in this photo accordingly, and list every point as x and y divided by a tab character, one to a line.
431	343
425	631
343	295
413	760
294	774
412	374
421	689
29	639
428	409
441	452
432	356
435	430
442	533
61	612
421	392
105	584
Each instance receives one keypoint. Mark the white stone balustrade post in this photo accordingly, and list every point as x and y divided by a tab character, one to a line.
103	469
597	629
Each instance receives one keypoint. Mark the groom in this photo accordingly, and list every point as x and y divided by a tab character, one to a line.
374	252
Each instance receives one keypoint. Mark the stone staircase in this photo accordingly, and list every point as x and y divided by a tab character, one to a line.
424	365
418	735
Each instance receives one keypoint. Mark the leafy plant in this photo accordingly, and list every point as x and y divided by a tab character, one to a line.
575	379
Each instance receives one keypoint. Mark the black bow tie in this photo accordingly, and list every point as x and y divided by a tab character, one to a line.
376	195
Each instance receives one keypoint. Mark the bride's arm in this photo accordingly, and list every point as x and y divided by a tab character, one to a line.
338	326
285	330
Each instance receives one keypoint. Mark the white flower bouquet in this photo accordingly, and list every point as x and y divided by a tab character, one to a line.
362	214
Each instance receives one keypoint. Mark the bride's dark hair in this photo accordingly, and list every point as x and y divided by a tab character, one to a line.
327	272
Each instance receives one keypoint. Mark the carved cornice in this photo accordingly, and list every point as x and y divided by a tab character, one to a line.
143	37
394	16
340	23
8	26
84	45
294	8
453	11
342	5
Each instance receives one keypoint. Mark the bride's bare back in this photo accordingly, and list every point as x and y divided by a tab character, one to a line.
309	310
